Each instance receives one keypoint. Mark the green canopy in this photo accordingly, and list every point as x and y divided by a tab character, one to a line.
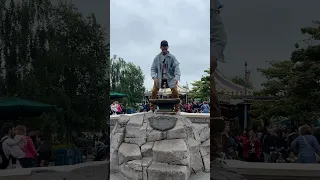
117	95
24	108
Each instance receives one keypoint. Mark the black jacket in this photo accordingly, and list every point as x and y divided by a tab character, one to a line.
270	143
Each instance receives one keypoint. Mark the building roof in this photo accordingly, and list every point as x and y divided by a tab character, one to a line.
226	86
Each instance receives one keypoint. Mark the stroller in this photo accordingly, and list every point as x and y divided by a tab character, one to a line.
102	153
277	155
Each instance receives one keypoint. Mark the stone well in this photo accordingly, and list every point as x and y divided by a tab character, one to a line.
139	152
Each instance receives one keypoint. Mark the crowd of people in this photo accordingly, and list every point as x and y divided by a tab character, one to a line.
20	148
191	107
117	108
276	145
195	107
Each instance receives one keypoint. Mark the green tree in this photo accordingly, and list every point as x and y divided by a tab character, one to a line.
127	78
201	88
241	81
52	54
295	82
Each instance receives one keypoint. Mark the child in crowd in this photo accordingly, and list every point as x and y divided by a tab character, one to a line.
20	140
292	158
20	136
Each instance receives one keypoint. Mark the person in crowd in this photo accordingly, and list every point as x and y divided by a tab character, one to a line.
147	107
227	149
44	150
254	147
20	138
33	135
119	108
291	157
144	107
182	107
270	144
282	144
188	107
29	160
259	133
306	145
141	108
114	108
240	142
317	133
205	108
9	148
234	154
281	158
195	107
123	108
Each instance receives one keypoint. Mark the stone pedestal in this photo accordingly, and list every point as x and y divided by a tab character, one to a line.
140	152
165	105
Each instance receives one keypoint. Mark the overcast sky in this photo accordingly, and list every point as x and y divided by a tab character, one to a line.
138	27
263	30
257	31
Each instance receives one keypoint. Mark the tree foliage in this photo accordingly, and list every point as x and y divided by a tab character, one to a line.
127	78
296	82
51	53
201	88
241	81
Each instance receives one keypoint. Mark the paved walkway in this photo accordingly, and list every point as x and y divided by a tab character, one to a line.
200	176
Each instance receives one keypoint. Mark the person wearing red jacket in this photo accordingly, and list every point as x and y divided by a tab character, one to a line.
188	107
252	147
30	154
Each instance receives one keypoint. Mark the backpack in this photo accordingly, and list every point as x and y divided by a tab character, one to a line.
4	161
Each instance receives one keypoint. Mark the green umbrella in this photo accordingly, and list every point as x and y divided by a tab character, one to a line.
24	108
117	95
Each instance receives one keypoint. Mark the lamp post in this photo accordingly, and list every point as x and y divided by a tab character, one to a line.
246	80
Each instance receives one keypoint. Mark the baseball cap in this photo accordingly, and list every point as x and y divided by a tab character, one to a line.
164	43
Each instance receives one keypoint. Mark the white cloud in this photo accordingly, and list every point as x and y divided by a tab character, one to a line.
138	27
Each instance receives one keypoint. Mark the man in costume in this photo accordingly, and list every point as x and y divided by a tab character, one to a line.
165	73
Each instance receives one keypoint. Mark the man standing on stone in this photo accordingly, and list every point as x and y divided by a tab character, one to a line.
165	73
